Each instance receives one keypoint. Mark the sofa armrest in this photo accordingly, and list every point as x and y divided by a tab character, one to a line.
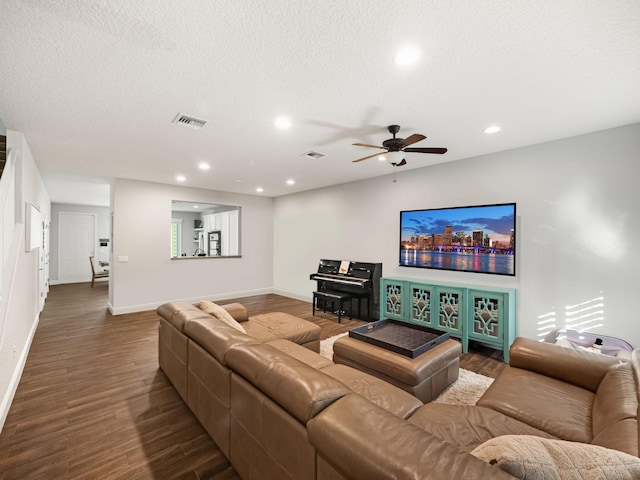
577	367
237	311
363	441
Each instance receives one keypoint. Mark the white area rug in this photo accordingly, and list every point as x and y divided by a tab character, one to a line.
467	390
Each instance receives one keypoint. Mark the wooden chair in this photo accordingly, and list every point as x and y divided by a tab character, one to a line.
95	275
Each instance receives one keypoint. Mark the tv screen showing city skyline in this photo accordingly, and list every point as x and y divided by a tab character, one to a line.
471	239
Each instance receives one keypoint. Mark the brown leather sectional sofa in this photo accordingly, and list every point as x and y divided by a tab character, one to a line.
281	411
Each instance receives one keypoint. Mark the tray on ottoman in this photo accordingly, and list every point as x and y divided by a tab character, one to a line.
400	337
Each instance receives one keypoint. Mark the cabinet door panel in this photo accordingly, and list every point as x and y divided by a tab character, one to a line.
487	312
392	305
450	311
421	303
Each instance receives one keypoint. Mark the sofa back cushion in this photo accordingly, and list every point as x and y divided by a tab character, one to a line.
570	365
178	313
615	410
215	336
298	388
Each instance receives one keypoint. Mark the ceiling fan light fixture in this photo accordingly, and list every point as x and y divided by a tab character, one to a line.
394	157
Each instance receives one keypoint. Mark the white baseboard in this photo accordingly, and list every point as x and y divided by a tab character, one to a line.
297	296
17	374
214	298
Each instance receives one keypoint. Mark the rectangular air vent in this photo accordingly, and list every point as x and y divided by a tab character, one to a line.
188	121
313	155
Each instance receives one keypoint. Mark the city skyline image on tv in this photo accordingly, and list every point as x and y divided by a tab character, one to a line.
472	239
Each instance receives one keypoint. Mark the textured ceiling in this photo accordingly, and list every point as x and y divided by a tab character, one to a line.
95	85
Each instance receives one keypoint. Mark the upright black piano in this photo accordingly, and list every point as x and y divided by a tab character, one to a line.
360	279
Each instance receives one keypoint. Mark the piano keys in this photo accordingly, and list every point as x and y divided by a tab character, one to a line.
359	279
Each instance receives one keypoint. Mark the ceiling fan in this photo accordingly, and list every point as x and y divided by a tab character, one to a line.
396	147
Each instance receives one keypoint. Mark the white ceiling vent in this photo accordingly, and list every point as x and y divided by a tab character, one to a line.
189	121
313	155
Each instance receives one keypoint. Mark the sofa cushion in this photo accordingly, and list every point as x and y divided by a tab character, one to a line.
166	310
298	388
221	314
561	409
311	358
361	440
466	427
275	325
535	458
569	365
215	336
178	313
383	394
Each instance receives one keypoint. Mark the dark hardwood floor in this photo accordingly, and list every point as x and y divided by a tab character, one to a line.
93	404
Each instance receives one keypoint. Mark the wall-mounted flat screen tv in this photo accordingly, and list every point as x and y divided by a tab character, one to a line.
478	239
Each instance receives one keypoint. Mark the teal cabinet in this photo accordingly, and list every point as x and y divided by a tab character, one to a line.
468	312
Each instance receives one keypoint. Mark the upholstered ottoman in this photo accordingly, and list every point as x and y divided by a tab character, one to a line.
425	376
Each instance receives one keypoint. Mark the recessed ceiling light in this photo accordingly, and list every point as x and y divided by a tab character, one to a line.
291	181
204	166
283	122
181	178
407	56
492	129
259	189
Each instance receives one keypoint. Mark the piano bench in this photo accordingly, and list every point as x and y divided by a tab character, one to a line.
330	296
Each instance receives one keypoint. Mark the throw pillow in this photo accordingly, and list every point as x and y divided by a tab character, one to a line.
221	314
536	458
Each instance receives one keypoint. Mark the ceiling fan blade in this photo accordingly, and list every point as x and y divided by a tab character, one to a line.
403	162
415	138
366	145
365	158
426	150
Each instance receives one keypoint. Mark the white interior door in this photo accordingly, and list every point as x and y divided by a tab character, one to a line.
76	243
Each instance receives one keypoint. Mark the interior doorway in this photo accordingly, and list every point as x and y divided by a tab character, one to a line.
77	239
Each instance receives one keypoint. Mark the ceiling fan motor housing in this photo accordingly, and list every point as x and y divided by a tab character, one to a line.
393	144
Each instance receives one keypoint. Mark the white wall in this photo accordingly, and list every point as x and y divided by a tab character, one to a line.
103	220
23	305
141	232
577	226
